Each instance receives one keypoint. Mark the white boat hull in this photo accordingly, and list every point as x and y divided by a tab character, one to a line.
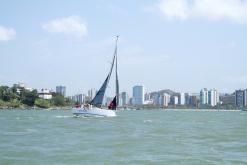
94	111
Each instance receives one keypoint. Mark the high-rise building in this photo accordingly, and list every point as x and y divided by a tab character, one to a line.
181	99
138	95
124	98
213	97
131	101
155	96
147	96
79	98
241	98
193	100
204	96
91	93
164	100
61	90
174	100
209	97
120	101
187	98
245	98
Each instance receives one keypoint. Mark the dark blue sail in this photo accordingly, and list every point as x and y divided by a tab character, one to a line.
98	99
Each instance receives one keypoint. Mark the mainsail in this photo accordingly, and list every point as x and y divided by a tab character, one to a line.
98	99
114	103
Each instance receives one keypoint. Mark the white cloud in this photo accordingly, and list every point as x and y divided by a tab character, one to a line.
7	34
231	10
69	25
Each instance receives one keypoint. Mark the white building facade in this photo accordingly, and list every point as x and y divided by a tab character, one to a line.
125	98
175	100
165	100
181	98
213	97
209	97
45	94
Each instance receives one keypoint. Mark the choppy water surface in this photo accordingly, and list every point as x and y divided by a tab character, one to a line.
133	137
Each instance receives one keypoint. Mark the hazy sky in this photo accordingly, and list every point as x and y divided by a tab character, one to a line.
183	45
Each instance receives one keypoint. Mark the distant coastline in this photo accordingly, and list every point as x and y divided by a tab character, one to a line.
35	108
120	109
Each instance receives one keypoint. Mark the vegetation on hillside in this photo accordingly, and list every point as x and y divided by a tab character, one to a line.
13	97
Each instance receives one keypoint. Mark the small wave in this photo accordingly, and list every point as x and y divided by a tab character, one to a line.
81	116
15	133
147	121
30	130
30	118
23	132
63	116
88	116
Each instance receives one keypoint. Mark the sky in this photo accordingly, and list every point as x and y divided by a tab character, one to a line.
183	45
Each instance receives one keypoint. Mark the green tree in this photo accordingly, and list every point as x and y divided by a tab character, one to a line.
2	103
7	94
28	97
14	103
69	102
58	100
42	103
3	90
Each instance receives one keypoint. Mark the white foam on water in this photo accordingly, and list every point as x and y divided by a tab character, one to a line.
30	117
24	132
63	116
30	130
14	133
81	116
148	121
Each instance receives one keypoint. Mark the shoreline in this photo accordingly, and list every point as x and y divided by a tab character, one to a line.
205	110
34	108
134	109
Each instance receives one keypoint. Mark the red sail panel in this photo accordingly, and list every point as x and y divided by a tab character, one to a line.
113	104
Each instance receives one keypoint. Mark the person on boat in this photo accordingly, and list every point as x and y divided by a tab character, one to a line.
77	105
86	106
110	106
113	104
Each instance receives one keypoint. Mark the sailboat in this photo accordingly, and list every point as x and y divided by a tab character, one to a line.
94	108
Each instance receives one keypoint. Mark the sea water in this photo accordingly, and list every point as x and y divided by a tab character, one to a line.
133	137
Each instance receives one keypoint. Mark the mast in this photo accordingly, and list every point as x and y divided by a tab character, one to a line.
117	83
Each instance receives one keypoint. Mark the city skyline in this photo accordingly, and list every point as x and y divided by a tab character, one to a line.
163	44
163	98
